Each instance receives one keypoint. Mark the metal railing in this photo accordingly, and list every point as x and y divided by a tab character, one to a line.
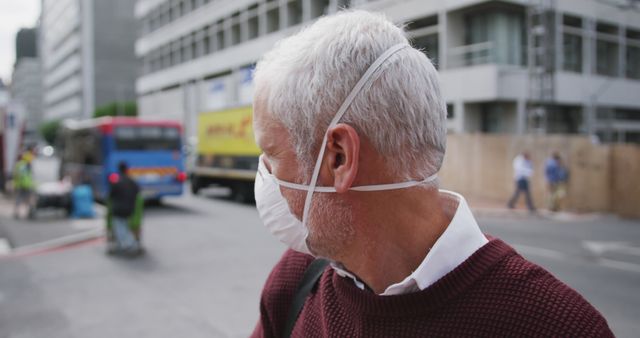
473	54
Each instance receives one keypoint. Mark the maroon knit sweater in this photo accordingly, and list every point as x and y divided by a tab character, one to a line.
494	293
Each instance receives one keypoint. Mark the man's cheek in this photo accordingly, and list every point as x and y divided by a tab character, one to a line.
295	200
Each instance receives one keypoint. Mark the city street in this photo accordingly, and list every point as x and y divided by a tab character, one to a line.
208	257
540	97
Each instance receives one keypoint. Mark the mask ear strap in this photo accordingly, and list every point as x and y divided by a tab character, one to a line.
343	108
394	186
303	187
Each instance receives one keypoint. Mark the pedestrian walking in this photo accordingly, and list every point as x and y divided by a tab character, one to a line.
124	205
557	176
352	125
523	170
24	185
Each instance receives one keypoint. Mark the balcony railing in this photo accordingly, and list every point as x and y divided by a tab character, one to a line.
473	54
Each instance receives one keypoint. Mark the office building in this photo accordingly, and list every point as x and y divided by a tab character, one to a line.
88	60
512	66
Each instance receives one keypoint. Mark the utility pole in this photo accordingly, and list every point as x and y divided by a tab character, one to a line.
541	26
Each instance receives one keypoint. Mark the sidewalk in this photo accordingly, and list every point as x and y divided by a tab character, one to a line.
50	228
483	207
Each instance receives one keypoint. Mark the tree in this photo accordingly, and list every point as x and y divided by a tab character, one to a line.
117	109
49	130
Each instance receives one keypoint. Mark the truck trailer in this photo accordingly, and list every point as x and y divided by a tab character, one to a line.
226	152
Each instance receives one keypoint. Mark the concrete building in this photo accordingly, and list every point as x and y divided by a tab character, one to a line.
26	82
88	59
11	122
26	43
512	66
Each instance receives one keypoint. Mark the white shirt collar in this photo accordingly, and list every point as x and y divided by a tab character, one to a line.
459	241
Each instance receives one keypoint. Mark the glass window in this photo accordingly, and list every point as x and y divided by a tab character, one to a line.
425	22
572	43
235	32
181	8
294	12
633	54
633	62
492	118
343	4
495	37
572	53
166	57
175	10
82	146
450	113
607	58
319	8
273	20
176	55
146	138
428	44
607	50
194	46
206	42
221	42
253	27
424	36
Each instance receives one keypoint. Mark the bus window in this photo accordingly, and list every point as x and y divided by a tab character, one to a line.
81	154
147	138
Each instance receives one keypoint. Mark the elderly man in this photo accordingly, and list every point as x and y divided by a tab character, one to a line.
352	126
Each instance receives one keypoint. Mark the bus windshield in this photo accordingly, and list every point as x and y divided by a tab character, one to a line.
147	138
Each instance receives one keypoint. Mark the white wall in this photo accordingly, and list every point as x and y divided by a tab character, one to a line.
577	89
166	105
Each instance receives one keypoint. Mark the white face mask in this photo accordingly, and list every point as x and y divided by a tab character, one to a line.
272	206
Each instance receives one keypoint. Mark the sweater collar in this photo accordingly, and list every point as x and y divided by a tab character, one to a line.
449	286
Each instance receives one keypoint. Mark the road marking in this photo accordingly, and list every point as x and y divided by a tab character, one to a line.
600	247
532	250
619	265
558	255
5	247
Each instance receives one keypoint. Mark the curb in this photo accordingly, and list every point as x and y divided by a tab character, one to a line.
53	244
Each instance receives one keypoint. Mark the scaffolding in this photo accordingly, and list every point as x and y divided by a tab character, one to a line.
541	41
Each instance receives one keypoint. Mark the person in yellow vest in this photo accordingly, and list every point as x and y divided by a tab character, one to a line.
24	185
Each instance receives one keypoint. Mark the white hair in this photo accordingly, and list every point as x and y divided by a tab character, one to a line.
305	78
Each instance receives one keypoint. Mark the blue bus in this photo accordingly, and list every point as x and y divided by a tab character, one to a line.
90	151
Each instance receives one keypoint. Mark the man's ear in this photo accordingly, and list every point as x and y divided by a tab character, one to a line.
343	149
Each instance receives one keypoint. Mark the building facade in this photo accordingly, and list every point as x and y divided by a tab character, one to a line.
512	66
26	82
88	59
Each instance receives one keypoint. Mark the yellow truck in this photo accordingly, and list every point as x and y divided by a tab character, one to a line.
226	154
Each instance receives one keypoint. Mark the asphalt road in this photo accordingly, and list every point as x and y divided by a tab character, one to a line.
207	259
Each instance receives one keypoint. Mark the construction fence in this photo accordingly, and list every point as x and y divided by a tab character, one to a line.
603	178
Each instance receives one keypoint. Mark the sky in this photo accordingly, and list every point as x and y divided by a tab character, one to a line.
14	14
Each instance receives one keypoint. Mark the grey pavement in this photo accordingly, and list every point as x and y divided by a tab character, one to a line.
207	259
50	224
205	263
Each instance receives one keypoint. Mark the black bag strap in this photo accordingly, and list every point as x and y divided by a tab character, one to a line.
308	281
